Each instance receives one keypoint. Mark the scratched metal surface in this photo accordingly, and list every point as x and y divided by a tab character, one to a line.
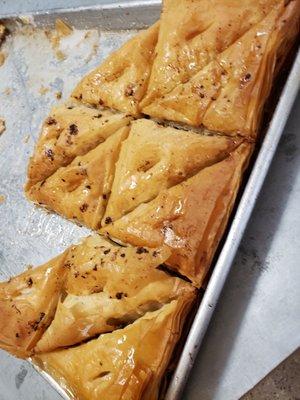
29	81
235	338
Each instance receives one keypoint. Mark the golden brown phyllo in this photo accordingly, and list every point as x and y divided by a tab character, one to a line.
27	306
104	318
92	288
189	217
71	130
216	69
144	191
128	363
121	81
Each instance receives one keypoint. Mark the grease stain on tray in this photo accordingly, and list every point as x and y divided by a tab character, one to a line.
20	377
65	40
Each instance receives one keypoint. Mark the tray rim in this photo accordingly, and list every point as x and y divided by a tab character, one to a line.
240	218
245	207
97	7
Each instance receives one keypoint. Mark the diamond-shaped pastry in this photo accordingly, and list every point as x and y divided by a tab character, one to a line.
192	34
80	190
70	130
108	287
227	94
154	158
189	218
121	81
128	363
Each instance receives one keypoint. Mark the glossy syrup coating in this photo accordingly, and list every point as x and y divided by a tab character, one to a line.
189	218
126	364
80	190
121	81
108	287
70	130
227	90
154	158
27	306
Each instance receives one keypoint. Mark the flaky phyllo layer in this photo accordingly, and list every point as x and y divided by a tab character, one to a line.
146	183
92	288
103	318
150	185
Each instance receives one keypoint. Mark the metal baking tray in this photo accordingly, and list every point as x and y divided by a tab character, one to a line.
33	80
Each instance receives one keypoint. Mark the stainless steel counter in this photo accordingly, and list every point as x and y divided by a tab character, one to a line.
257	321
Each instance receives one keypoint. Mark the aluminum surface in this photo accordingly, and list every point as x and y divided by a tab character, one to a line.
235	234
39	236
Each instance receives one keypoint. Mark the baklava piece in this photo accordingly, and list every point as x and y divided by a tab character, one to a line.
121	81
189	218
27	306
192	34
109	287
71	130
127	364
80	190
228	93
154	158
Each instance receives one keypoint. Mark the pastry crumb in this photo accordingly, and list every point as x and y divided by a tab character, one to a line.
58	95
2	58
60	55
26	138
7	91
2	125
2	198
43	90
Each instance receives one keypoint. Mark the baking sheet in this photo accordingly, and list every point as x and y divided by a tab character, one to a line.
31	235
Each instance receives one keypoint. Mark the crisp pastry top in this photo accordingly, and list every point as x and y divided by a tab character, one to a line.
70	130
92	288
189	217
192	34
101	318
80	190
154	158
130	168
227	90
107	287
27	306
126	364
121	81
